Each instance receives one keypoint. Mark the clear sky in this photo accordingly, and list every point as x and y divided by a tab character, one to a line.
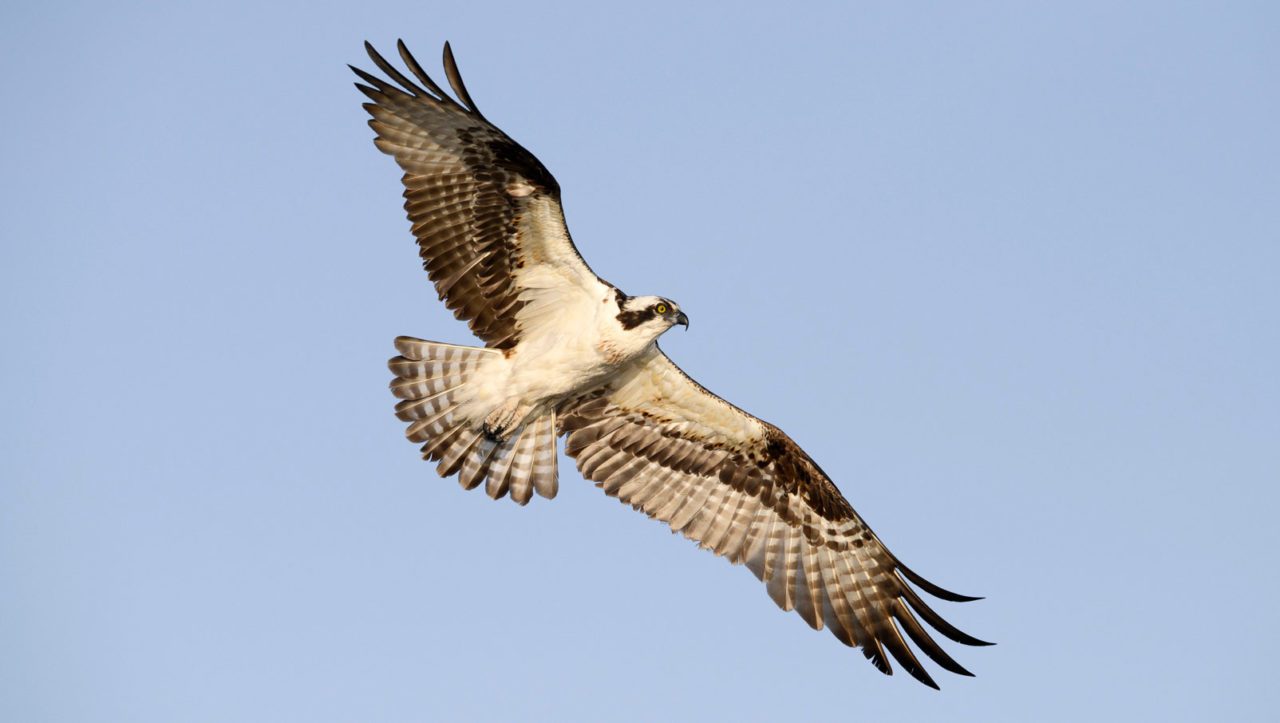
1009	272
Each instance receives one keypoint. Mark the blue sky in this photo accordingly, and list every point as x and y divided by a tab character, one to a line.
1008	271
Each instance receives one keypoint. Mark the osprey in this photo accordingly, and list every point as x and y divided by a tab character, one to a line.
567	353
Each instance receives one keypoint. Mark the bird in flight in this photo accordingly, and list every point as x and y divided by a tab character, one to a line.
566	353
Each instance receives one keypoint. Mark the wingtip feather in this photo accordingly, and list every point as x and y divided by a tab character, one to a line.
455	81
932	588
938	622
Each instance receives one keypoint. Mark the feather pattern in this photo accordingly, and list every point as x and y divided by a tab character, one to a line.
744	490
485	211
492	237
433	382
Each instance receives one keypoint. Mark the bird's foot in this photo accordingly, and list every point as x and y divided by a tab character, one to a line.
501	421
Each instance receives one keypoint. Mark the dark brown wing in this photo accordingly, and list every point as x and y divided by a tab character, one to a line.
741	488
486	213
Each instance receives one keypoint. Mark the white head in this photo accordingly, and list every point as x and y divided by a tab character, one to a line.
649	316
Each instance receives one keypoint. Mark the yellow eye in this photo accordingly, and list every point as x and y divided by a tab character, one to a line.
662	308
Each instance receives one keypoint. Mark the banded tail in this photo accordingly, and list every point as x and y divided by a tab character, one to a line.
432	384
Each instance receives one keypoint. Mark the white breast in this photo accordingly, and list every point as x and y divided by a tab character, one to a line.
562	352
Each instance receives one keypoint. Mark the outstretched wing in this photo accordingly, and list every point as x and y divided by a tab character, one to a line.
741	488
486	213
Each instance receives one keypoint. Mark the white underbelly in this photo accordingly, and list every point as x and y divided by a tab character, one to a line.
567	348
549	372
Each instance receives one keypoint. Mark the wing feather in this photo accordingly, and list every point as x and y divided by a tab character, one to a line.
740	487
412	63
485	211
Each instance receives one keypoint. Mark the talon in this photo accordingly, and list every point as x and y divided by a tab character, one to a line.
501	421
494	434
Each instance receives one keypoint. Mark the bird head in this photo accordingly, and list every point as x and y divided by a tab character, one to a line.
650	315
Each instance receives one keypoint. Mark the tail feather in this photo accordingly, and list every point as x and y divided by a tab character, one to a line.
406	367
522	456
431	383
423	430
421	349
542	467
434	449
456	453
476	465
500	471
409	410
419	387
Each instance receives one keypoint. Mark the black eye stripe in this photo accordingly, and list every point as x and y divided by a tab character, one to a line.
632	319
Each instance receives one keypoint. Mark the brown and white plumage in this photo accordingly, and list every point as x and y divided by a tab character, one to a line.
568	353
482	207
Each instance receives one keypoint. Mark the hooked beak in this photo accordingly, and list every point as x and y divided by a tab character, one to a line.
682	320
